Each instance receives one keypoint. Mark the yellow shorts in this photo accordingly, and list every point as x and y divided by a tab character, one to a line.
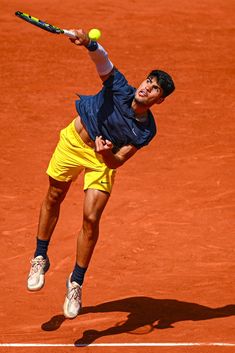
72	156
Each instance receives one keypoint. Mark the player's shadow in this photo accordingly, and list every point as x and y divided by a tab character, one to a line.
150	314
144	315
54	323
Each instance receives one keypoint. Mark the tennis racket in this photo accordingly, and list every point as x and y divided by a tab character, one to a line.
44	25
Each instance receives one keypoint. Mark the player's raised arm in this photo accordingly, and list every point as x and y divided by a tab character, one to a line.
97	53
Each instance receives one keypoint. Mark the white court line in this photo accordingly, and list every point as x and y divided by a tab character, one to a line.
167	344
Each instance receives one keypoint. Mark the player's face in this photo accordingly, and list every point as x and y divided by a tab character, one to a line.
149	92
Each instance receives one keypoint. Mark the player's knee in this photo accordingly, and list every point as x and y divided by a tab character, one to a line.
91	221
55	196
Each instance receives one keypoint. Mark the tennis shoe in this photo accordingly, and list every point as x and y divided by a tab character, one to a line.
73	300
36	278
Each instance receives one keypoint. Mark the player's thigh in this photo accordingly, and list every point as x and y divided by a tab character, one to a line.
67	160
101	178
57	190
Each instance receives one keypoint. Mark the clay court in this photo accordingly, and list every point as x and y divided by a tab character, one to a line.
162	275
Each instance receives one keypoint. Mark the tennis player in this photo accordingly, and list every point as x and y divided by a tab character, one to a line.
111	126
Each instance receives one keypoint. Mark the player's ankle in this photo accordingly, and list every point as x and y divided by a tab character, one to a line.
78	274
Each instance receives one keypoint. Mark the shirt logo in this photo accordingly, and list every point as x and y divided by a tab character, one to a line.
133	130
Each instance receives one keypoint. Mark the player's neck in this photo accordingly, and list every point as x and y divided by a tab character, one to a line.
140	110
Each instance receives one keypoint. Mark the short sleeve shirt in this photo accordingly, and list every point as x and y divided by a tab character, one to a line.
109	114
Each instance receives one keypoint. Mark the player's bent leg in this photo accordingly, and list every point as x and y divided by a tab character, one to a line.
94	204
47	221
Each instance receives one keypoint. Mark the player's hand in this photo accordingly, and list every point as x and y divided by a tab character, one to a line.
82	37
102	146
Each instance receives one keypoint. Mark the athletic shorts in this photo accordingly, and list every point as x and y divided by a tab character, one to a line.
72	156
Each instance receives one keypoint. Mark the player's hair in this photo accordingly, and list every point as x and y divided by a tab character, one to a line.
164	80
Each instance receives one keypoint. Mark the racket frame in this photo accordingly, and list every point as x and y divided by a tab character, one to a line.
44	25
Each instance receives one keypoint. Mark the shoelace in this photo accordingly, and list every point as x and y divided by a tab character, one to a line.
36	266
74	293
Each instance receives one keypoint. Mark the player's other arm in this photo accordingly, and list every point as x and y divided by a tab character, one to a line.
97	54
113	161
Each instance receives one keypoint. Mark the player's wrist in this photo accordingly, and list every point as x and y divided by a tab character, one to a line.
92	45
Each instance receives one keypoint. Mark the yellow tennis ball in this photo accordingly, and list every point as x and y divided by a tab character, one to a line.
94	34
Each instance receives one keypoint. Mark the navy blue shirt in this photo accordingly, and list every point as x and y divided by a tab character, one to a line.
109	114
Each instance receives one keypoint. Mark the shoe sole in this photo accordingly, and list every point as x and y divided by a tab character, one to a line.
66	314
39	286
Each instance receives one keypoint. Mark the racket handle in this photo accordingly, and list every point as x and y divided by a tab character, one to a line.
69	34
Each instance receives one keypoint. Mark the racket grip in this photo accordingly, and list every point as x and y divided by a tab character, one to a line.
69	34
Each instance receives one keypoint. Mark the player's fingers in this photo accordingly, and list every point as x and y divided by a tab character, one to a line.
78	41
82	37
98	143
75	41
109	143
100	138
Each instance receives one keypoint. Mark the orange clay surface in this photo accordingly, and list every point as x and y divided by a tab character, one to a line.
163	269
